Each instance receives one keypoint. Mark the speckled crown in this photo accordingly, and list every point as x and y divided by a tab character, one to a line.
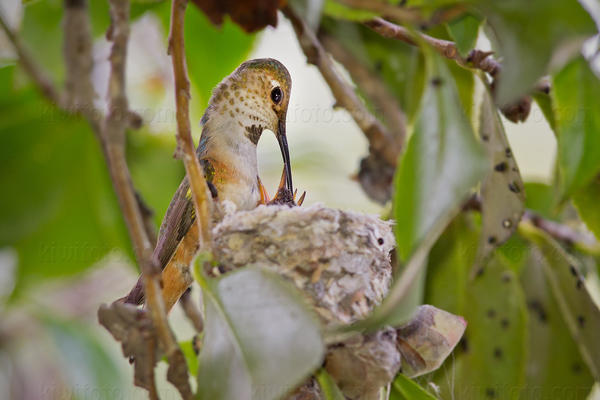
269	65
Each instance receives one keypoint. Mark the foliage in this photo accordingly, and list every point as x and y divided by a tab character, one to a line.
527	294
259	335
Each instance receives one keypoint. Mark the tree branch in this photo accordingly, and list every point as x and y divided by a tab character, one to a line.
113	135
372	86
185	144
477	58
42	81
191	311
563	233
79	62
374	174
380	140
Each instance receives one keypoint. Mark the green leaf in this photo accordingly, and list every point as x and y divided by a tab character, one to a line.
576	91
334	9
502	195
191	359
527	38
541	198
449	263
465	84
577	306
442	163
553	357
490	362
429	5
493	364
329	389
464	31
42	34
586	203
260	340
514	253
405	388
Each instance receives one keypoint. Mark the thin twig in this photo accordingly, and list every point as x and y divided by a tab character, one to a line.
42	81
191	311
380	140
370	84
185	144
563	233
477	58
79	63
114	136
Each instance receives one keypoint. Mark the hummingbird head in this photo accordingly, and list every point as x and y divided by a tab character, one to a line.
254	97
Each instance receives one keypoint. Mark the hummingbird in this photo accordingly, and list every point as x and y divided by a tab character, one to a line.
252	99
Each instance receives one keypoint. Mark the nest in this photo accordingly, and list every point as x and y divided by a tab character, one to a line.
339	260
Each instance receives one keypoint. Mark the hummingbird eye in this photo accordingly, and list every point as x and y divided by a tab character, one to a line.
276	95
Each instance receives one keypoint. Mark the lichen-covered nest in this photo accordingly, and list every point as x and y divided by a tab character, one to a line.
340	260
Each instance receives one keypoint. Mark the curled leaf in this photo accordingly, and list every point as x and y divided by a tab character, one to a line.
250	15
362	365
428	339
133	328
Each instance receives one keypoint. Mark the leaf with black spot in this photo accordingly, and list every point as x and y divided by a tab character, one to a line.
575	302
496	312
554	360
501	194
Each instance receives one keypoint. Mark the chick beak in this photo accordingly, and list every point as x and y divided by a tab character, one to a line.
283	146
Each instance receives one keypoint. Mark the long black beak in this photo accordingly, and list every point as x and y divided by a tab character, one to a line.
283	146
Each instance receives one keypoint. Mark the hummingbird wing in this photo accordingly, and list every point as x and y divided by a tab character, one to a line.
178	219
181	214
